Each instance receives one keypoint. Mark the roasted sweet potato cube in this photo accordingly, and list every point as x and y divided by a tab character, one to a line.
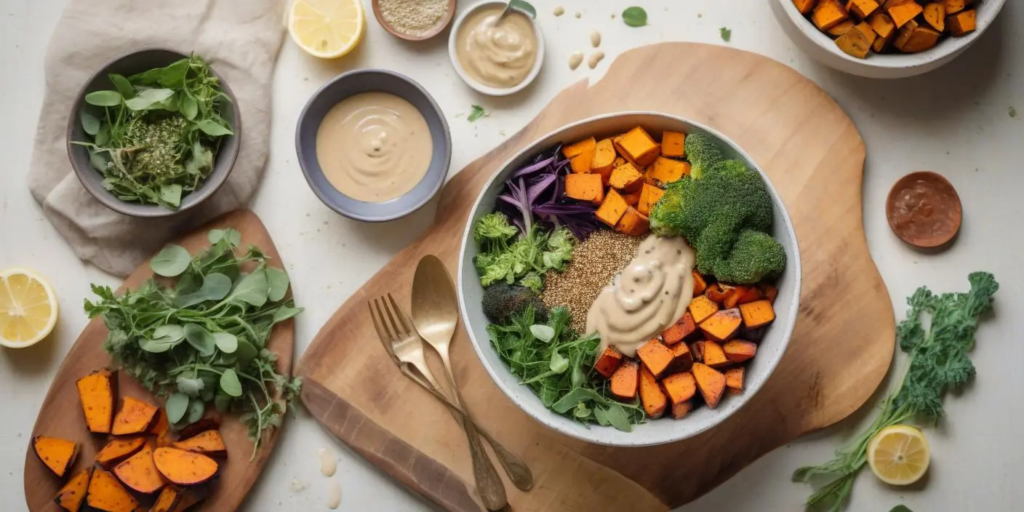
682	358
697	349
118	449
612	209
639	146
139	472
842	28
72	494
651	396
578	148
699	284
665	171
649	196
854	43
680	330
869	33
862	8
723	325
633	198
134	417
584	187
805	6
757	313
770	292
902	14
633	223
828	13
701	308
626	178
935	15
55	453
98	394
963	23
882	24
609	361
954	6
714	355
718	292
581	163
679	387
167	500
741	295
604	157
915	38
710	382
673	144
106	493
625	380
734	378
208	443
679	411
739	351
655	356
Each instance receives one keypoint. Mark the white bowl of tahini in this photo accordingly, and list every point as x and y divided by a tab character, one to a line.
496	58
654	432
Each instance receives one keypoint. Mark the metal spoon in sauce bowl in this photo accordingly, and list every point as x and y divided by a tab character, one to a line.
435	314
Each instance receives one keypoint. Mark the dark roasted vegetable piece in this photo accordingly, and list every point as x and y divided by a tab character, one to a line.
501	301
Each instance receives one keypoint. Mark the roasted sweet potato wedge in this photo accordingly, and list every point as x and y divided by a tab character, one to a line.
98	393
107	494
134	417
208	443
653	399
119	449
139	472
625	380
72	495
183	467
609	361
655	356
710	382
56	453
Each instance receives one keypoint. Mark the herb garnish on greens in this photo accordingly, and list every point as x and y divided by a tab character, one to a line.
559	367
204	339
156	134
938	364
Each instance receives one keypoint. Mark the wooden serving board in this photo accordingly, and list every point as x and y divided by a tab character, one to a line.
840	351
61	412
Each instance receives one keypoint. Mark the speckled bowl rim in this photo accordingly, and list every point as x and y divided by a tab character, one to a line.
325	195
213	182
902	65
483	88
521	395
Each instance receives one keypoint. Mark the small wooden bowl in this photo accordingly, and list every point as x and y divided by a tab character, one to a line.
924	210
443	24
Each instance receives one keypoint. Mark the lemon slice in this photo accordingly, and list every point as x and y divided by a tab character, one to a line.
899	455
326	28
28	308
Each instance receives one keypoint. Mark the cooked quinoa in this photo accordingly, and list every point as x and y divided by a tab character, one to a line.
594	262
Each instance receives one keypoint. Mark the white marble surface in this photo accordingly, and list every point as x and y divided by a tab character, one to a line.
954	121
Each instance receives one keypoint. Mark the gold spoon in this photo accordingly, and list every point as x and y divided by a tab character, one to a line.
435	313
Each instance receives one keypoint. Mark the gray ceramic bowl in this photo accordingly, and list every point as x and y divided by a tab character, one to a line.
357	82
129	64
654	432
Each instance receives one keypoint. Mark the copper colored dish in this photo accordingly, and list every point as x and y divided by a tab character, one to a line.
924	209
437	29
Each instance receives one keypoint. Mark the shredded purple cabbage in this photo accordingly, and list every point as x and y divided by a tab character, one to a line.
535	195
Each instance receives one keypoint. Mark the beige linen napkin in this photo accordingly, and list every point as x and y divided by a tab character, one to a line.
239	38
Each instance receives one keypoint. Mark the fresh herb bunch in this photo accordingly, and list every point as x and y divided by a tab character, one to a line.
204	339
507	257
938	364
155	136
559	367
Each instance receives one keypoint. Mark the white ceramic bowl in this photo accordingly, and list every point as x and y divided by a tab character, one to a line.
823	49
653	432
483	88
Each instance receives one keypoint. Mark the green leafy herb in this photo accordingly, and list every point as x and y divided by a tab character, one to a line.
154	137
634	16
477	112
506	256
560	368
901	508
524	6
725	33
204	339
938	363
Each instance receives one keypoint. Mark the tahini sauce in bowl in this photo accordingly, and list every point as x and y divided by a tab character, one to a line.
374	146
650	293
495	56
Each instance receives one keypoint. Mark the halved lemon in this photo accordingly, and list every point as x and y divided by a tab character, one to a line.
899	455
326	28
28	308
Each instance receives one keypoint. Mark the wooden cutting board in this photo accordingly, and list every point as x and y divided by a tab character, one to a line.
841	349
61	412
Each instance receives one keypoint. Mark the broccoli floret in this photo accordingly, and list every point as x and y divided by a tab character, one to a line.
502	300
703	152
755	256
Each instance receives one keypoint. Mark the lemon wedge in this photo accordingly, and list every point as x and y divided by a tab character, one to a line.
899	455
326	28
28	308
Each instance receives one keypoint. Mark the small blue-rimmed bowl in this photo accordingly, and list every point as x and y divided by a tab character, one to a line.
357	82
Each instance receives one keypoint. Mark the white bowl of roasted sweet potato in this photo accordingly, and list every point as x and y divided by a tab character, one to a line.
885	38
631	279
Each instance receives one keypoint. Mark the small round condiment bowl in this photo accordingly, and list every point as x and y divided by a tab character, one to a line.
92	180
484	88
357	82
822	48
654	432
437	29
943	203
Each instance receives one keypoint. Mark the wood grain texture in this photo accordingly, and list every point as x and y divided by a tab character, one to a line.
841	348
61	412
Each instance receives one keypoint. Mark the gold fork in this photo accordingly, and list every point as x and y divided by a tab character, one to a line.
405	347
